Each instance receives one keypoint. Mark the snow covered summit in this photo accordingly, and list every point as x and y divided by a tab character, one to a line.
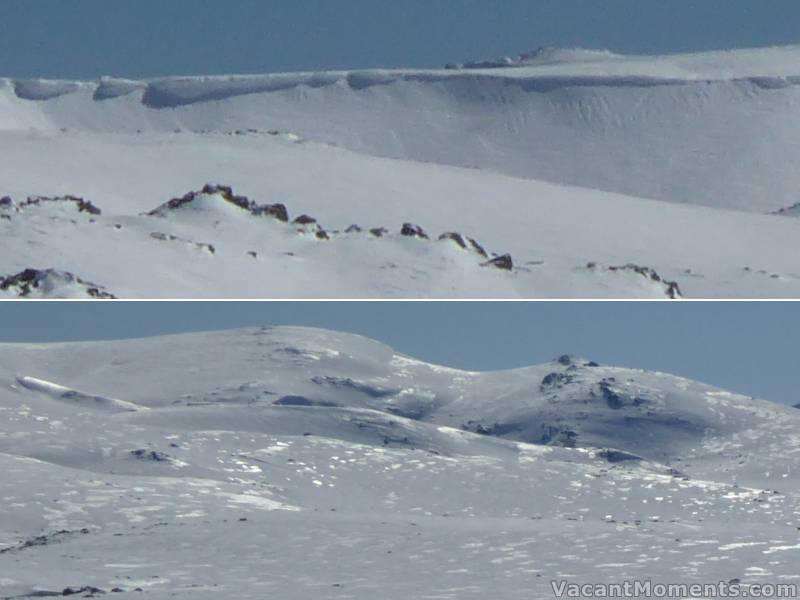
293	461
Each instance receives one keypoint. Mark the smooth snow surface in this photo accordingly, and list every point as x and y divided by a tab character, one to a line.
561	158
297	463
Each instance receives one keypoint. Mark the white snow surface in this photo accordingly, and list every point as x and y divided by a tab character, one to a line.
561	158
292	462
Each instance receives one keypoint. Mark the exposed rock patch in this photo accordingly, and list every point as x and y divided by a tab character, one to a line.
671	288
149	455
277	211
49	282
83	206
504	263
411	230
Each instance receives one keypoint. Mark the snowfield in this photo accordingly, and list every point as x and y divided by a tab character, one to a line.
296	463
572	162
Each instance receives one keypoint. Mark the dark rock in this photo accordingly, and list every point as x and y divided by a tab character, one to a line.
455	237
30	279
564	359
477	248
504	263
672	291
379	231
7	202
88	590
304	220
555	380
81	204
411	230
277	211
353	229
150	455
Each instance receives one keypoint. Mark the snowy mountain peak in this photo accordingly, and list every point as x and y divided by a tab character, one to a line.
289	445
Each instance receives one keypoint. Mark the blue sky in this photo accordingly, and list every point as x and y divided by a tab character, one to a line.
747	347
135	38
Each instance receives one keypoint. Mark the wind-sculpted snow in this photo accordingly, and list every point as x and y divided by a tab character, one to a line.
713	129
397	478
365	153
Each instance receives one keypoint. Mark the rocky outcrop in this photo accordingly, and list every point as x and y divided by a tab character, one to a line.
464	243
504	263
48	282
411	230
671	288
83	206
277	211
307	224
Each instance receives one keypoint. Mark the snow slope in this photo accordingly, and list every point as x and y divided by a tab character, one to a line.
293	462
560	158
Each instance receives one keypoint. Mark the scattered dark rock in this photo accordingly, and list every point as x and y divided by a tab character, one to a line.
504	262
150	455
672	291
353	229
614	399
378	231
44	540
455	237
411	230
164	237
32	279
81	204
310	224
86	590
564	359
555	381
278	211
7	203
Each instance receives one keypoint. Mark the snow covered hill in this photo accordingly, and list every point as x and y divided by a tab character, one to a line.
292	462
681	164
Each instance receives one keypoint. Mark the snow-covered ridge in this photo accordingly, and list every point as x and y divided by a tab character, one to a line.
350	470
610	122
217	224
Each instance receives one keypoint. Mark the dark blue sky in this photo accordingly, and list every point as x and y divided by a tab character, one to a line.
751	348
135	38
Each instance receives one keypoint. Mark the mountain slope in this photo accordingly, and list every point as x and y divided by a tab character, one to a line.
589	169
296	461
713	129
